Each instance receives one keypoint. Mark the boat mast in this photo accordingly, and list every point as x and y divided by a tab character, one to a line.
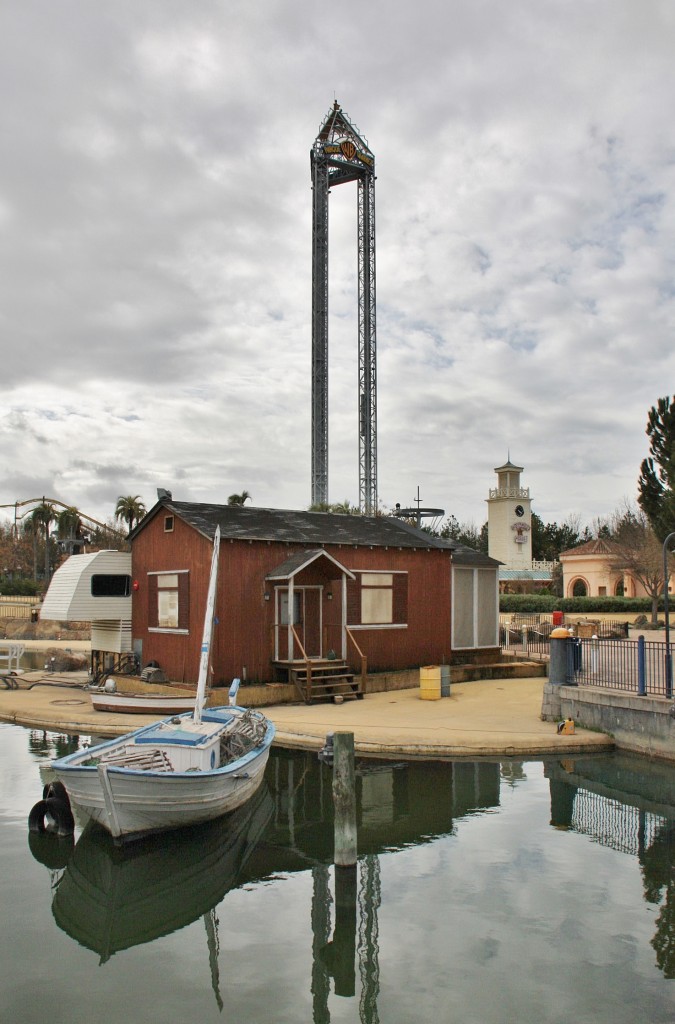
208	630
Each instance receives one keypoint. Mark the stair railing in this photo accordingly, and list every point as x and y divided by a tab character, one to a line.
364	660
308	667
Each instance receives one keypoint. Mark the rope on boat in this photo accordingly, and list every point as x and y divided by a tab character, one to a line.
248	732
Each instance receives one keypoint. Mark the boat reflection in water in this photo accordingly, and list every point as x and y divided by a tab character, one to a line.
109	899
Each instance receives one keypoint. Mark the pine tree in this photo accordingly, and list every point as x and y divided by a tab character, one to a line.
656	486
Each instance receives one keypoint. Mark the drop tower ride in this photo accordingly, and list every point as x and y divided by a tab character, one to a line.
341	154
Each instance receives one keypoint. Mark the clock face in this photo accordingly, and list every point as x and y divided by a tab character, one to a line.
520	511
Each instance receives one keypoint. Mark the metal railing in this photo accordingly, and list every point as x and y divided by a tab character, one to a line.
635	666
533	637
615	824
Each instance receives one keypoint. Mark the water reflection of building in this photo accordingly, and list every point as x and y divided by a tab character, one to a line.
629	806
398	805
44	744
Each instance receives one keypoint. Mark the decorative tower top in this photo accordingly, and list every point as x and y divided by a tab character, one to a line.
508	482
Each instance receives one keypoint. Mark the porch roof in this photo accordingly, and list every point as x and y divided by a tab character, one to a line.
296	563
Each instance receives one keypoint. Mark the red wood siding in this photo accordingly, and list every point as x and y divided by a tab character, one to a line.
244	634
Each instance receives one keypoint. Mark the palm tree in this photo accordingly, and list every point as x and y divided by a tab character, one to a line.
130	509
42	516
239	499
30	530
69	526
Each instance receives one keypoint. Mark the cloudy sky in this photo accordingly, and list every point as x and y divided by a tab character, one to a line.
155	230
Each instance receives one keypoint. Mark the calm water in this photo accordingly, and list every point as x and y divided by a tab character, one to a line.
535	892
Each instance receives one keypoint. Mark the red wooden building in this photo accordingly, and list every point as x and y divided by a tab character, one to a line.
297	587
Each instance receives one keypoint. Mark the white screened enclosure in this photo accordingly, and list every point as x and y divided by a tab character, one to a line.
475	607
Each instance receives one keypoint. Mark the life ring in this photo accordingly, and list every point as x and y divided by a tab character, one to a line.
51	815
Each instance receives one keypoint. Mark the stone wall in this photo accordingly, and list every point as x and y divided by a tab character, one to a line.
644	725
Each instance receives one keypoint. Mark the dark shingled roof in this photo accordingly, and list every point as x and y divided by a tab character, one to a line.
238	522
463	555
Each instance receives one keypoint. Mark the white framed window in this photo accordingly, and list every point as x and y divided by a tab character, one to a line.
378	599
169	601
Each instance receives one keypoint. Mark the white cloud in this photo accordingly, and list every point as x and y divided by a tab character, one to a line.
155	226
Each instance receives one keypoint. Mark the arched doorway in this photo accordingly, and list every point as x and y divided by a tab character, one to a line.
579	587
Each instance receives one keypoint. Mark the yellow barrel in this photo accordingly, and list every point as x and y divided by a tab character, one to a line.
430	682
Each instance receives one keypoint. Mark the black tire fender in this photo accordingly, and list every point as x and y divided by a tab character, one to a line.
56	790
50	849
51	815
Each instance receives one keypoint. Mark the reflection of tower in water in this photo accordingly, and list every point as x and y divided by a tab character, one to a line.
398	805
357	901
369	963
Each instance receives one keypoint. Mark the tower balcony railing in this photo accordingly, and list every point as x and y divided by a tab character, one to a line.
509	492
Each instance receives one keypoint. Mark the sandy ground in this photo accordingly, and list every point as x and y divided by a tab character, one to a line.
478	719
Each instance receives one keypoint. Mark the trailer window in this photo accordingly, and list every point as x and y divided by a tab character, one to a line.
110	585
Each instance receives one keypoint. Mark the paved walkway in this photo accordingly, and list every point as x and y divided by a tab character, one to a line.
479	719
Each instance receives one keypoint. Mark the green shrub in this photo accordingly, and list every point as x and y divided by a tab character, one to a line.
533	603
19	588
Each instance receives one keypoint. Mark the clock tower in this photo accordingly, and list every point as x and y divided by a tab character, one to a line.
510	519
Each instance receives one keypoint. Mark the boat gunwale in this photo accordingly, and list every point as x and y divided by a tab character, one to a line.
71	763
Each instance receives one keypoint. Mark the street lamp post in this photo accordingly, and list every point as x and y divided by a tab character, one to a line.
666	576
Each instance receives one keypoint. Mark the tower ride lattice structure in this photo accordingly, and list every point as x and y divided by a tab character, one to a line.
340	154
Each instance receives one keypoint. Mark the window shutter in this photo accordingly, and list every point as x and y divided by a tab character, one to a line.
153	616
400	603
354	602
184	600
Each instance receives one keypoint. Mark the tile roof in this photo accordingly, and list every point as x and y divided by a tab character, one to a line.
600	546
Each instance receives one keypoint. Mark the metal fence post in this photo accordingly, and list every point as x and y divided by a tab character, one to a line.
595	647
666	580
642	675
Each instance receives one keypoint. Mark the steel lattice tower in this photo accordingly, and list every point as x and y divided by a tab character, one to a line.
341	154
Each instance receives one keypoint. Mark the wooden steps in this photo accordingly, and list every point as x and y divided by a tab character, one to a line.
323	680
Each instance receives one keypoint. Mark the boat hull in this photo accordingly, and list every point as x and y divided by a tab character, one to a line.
141	703
131	802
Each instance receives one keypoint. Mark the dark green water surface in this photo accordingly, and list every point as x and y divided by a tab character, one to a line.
485	892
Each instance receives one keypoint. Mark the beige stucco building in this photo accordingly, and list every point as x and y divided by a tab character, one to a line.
590	570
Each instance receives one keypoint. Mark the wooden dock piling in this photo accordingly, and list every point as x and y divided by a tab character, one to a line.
344	800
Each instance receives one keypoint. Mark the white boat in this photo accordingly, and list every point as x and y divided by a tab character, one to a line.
180	771
122	702
171	773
